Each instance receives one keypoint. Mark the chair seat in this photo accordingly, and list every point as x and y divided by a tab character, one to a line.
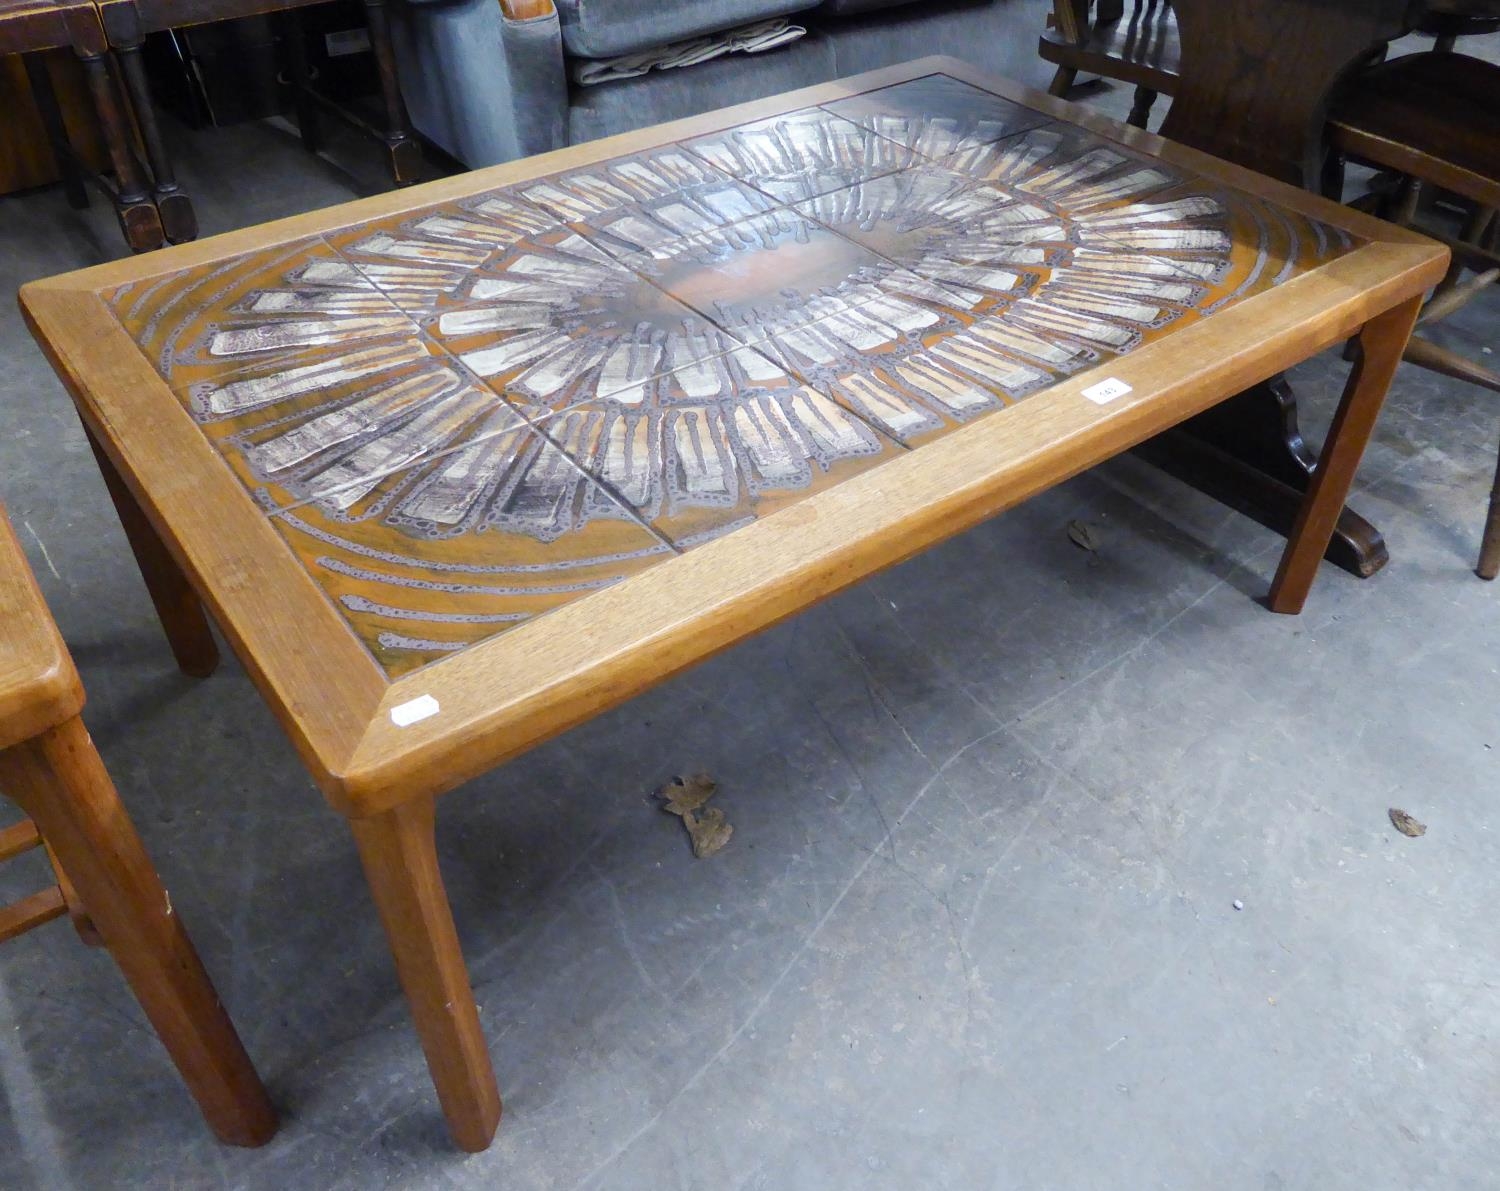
1141	48
1433	116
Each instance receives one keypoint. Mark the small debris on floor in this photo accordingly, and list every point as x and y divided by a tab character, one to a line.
1405	824
1237	904
1082	534
685	798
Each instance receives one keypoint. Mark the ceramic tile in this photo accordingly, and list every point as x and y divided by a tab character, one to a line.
463	547
801	154
554	321
719	445
936	115
423	259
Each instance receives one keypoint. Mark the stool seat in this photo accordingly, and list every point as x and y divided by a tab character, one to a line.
1434	116
39	687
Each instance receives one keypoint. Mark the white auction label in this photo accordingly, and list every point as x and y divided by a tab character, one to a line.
1106	391
405	714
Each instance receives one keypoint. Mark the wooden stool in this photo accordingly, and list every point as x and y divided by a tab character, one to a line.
127	22
29	26
49	767
1100	38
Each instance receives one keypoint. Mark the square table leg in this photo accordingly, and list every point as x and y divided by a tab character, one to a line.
178	607
399	854
1381	343
59	781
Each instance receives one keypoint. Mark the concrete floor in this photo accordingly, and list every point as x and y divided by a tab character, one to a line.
976	926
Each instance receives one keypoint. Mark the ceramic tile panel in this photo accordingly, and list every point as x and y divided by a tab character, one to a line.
471	413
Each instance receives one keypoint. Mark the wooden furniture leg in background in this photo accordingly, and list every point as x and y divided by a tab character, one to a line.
399	854
181	612
59	781
45	96
1381	344
178	220
139	218
404	151
1489	552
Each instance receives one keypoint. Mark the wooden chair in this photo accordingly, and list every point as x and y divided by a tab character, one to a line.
1098	37
105	880
1435	118
28	27
127	22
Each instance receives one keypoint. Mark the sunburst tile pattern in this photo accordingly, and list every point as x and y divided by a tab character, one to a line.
466	415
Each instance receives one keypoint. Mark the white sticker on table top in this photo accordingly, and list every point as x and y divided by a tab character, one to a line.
1106	391
403	715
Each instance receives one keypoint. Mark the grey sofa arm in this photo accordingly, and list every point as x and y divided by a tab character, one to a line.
483	86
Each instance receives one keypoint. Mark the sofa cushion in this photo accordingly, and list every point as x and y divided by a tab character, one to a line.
604	28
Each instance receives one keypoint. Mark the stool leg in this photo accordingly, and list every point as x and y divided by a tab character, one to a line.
139	219
60	782
179	221
399	855
1489	553
177	605
405	152
1381	343
42	91
1062	82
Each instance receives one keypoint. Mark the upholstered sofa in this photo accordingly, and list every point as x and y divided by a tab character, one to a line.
487	88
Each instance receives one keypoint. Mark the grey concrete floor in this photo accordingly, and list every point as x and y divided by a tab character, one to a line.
975	929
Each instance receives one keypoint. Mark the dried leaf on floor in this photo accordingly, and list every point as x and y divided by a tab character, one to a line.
1405	824
708	830
682	795
1081	533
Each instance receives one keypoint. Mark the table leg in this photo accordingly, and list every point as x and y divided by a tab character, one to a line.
1381	343
179	221
177	605
45	95
401	146
139	218
58	779
399	854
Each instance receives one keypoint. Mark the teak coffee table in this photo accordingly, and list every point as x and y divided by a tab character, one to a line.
459	467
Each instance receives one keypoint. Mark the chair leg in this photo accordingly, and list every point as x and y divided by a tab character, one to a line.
45	96
399	855
1489	552
405	153
177	605
1140	110
1381	343
1062	82
179	221
139	219
60	782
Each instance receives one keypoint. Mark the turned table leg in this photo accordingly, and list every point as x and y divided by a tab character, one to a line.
179	221
58	779
139	218
399	854
1381	344
178	607
404	151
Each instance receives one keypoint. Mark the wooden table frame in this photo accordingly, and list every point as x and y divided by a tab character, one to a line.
198	534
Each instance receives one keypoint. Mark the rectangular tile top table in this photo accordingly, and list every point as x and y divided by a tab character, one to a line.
460	466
